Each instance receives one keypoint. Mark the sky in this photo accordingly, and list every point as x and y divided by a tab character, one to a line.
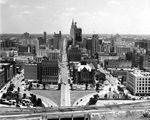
93	16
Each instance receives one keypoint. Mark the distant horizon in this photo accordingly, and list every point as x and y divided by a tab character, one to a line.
69	34
94	17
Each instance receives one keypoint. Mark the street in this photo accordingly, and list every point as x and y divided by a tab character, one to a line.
65	92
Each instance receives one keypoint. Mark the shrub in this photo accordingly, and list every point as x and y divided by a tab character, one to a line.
146	114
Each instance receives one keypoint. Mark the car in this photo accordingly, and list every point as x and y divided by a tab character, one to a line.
13	102
5	101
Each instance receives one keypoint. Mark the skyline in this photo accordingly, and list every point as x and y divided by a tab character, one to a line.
93	16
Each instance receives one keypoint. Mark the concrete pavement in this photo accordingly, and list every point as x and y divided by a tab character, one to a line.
65	91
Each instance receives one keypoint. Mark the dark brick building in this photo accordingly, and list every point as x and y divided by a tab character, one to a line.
74	54
7	43
8	70
30	71
49	71
27	49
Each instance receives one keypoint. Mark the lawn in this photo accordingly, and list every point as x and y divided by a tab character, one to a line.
52	95
75	95
55	95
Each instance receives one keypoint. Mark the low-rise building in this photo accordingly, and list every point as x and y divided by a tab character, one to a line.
122	50
117	64
138	82
83	73
103	57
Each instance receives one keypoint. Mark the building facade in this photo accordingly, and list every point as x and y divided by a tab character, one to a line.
74	54
2	78
30	71
83	73
49	71
122	50
117	64
53	54
57	40
75	33
138	82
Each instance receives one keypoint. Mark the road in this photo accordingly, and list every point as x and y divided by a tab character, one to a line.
50	113
65	91
85	99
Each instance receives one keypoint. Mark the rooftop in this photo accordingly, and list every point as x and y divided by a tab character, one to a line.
4	64
1	70
140	73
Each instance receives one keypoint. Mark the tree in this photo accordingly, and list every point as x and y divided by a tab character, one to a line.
44	85
24	96
4	95
59	86
120	88
97	86
105	96
39	102
92	100
38	85
11	87
18	89
86	86
71	85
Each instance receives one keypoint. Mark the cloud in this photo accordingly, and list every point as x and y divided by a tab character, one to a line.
26	12
3	1
114	2
13	6
101	13
67	14
39	7
25	6
70	9
85	14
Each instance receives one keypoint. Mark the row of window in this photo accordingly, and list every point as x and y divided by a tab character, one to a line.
143	91
143	85
142	88
143	81
138	79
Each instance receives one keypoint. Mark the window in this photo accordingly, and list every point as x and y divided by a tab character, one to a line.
142	88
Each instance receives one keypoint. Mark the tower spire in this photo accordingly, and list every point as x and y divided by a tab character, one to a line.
72	21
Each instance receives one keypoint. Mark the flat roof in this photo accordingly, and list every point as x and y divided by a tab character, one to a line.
141	74
4	63
1	69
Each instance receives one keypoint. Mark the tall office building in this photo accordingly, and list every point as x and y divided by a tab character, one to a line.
138	82
75	33
57	40
95	44
74	54
30	71
44	38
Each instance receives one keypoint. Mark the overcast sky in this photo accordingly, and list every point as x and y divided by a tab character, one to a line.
93	16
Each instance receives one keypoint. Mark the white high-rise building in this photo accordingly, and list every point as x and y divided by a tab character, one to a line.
138	82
